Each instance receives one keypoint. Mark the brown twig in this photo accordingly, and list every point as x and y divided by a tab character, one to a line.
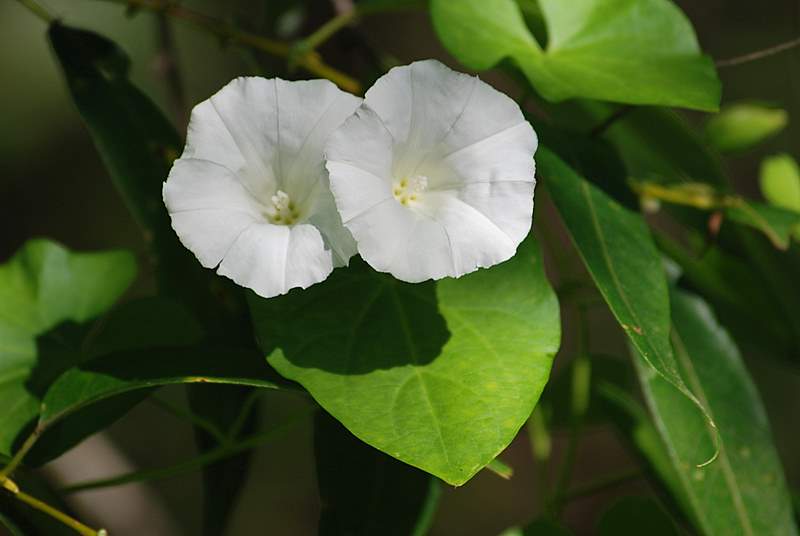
759	54
312	62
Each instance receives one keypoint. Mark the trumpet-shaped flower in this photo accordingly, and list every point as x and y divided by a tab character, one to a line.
250	193
434	173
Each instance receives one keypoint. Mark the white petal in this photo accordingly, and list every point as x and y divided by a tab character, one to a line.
272	259
419	103
309	111
406	244
242	117
475	151
253	138
209	208
359	161
336	237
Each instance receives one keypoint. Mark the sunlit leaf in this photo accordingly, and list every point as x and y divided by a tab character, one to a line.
43	285
741	126
439	376
631	51
780	183
617	249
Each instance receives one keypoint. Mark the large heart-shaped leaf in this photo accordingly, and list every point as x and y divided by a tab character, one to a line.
442	387
617	249
632	51
42	286
744	491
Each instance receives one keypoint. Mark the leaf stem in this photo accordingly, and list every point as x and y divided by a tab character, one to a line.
8	470
190	417
541	448
330	28
311	61
55	513
244	412
216	454
759	54
579	403
604	125
167	66
39	10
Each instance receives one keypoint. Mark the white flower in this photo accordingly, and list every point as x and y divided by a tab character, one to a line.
434	173
250	193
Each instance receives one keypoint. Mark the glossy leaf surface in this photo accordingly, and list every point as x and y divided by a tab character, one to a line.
743	491
42	286
631	51
439	376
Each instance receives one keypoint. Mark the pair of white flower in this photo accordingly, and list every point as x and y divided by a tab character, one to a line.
432	175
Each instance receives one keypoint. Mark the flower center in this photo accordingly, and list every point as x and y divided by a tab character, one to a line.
409	190
283	211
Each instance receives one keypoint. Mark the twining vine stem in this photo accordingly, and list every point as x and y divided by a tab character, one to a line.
218	453
312	61
759	54
330	28
11	487
39	10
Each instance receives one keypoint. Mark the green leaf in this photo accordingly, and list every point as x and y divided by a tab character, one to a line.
126	371
740	126
636	426
135	326
631	516
363	491
136	347
135	141
617	249
377	355
780	181
631	51
780	184
739	297
42	286
743	491
776	223
137	145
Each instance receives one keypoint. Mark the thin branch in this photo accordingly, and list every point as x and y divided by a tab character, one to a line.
190	417
760	54
213	455
342	20
8	470
167	69
311	62
55	513
39	10
600	129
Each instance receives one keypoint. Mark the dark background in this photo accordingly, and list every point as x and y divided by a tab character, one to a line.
52	184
